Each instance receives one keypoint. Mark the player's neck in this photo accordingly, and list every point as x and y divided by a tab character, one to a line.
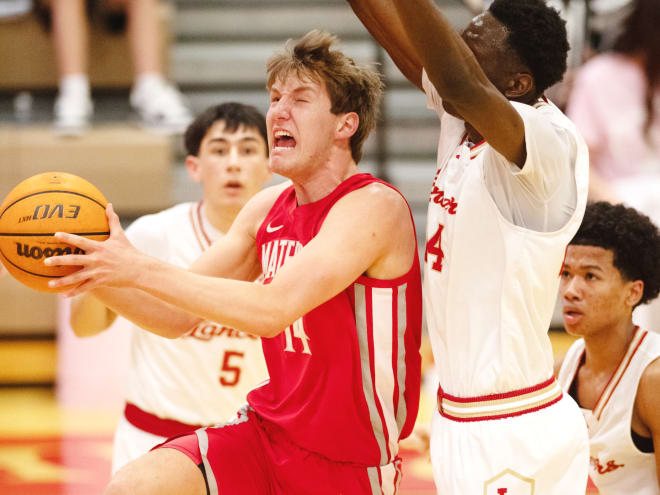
323	180
605	350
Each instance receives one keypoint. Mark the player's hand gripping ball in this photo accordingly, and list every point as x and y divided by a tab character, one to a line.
37	208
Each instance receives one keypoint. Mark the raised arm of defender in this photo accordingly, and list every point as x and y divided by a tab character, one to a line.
382	21
416	30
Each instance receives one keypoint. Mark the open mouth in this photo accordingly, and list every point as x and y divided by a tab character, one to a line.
283	140
571	316
233	185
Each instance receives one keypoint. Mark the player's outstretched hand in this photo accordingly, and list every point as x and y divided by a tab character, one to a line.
110	263
3	270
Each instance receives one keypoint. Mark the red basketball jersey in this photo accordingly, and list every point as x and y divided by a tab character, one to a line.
344	378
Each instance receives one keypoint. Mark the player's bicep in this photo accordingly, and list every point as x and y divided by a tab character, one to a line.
347	246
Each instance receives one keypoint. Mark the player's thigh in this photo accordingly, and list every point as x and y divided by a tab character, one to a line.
159	472
130	443
231	455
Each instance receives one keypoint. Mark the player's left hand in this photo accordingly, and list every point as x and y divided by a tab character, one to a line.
110	263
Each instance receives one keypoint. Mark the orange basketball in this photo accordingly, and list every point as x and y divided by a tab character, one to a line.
37	208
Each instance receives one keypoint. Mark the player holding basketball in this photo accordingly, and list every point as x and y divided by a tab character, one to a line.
613	372
509	193
338	253
202	378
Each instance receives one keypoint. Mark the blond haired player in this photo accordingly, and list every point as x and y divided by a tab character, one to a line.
613	371
200	379
508	194
339	312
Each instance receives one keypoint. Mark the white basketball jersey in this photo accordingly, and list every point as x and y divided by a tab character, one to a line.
496	239
203	377
617	466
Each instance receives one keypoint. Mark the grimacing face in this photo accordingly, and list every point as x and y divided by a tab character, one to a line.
231	166
594	295
301	126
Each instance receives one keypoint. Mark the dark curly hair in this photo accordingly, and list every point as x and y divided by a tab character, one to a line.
538	35
234	116
631	236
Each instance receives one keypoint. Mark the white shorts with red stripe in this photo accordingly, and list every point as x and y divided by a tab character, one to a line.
530	442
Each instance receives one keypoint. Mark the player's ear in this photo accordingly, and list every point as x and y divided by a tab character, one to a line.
347	125
519	85
635	292
194	168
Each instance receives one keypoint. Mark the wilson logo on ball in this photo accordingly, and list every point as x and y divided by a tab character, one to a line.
37	253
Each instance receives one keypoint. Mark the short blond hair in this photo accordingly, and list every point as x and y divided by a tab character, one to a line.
351	87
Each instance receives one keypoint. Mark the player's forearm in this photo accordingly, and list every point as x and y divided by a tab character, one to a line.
147	312
89	316
380	19
448	61
253	308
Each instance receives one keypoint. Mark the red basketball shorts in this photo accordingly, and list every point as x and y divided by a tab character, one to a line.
247	457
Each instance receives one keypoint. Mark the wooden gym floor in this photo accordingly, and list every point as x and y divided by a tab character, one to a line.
48	450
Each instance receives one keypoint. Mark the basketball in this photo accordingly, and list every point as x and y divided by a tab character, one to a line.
37	208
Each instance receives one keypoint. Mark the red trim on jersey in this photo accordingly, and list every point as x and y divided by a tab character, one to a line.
464	138
600	413
193	223
153	424
200	219
500	416
372	369
602	392
506	395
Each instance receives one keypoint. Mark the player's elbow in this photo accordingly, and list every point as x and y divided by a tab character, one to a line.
85	330
175	328
90	323
275	318
273	325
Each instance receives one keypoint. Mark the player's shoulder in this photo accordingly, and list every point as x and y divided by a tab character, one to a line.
378	194
648	399
377	202
256	209
265	198
548	123
651	373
